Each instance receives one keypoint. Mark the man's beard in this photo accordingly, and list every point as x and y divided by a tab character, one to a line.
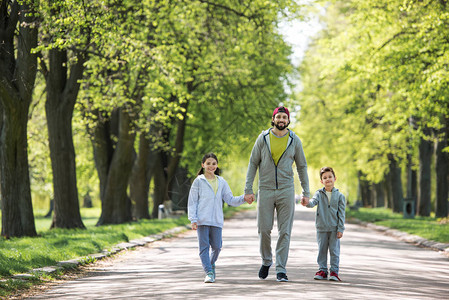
281	127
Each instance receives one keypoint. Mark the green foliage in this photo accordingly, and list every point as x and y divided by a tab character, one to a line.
374	66
221	66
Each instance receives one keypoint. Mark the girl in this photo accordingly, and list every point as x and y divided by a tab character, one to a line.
205	211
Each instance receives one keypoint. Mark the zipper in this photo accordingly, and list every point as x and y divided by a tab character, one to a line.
275	166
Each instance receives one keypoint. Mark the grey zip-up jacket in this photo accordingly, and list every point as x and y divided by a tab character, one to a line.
330	215
272	177
204	206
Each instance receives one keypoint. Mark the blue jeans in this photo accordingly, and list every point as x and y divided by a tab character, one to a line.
209	237
328	241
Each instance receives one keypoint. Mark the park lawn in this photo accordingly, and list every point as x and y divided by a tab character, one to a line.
426	227
18	255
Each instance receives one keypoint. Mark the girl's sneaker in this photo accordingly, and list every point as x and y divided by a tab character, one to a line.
320	275
209	278
334	277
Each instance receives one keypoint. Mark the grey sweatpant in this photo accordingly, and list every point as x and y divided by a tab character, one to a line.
283	201
327	241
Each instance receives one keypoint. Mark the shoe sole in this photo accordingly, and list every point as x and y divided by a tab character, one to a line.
282	280
319	278
334	279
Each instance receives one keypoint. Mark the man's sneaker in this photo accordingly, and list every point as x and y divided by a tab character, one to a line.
320	275
334	277
263	272
281	277
213	270
209	277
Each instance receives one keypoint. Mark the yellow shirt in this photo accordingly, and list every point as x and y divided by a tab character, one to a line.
278	146
214	184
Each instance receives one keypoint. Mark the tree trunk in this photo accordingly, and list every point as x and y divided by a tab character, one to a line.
103	148
364	191
178	149
396	185
179	192
388	190
61	98
379	195
425	161
116	205
160	181
139	184
442	170
17	77
412	186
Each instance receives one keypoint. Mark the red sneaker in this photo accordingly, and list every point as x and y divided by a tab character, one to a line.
320	275
334	277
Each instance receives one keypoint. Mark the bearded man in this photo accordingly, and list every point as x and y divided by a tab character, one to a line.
274	153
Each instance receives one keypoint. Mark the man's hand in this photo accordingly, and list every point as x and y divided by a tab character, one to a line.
249	198
304	200
339	235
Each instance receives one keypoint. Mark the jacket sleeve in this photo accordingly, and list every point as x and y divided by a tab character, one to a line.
254	162
194	196
341	213
301	167
314	201
229	198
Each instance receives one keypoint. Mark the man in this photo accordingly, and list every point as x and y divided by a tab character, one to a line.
273	153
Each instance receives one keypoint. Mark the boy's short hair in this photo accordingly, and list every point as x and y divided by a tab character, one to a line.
324	170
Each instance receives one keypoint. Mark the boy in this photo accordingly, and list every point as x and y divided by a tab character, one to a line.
329	222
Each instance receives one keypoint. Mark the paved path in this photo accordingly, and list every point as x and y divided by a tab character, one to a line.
372	266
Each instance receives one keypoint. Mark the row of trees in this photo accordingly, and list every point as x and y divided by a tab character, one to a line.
375	99
155	83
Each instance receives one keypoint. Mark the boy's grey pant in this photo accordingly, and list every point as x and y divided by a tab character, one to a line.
328	241
283	201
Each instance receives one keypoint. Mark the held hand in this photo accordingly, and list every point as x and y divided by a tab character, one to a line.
339	235
304	200
249	198
194	226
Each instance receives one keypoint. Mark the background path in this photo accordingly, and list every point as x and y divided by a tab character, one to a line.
372	266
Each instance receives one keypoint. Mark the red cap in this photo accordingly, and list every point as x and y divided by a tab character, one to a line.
281	109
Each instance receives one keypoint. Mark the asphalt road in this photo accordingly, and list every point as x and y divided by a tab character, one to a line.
372	266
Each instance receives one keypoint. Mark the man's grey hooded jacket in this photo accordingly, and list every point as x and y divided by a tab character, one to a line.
272	177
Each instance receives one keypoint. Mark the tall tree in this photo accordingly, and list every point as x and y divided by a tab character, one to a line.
18	65
442	171
372	82
425	163
67	31
181	57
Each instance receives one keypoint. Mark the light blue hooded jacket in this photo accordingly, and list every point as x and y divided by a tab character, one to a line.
330	215
205	207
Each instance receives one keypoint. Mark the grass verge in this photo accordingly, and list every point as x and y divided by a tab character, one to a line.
19	255
427	227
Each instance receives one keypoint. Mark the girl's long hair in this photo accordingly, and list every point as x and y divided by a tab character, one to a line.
206	156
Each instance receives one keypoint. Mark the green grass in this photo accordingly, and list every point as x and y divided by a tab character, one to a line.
18	255
426	227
